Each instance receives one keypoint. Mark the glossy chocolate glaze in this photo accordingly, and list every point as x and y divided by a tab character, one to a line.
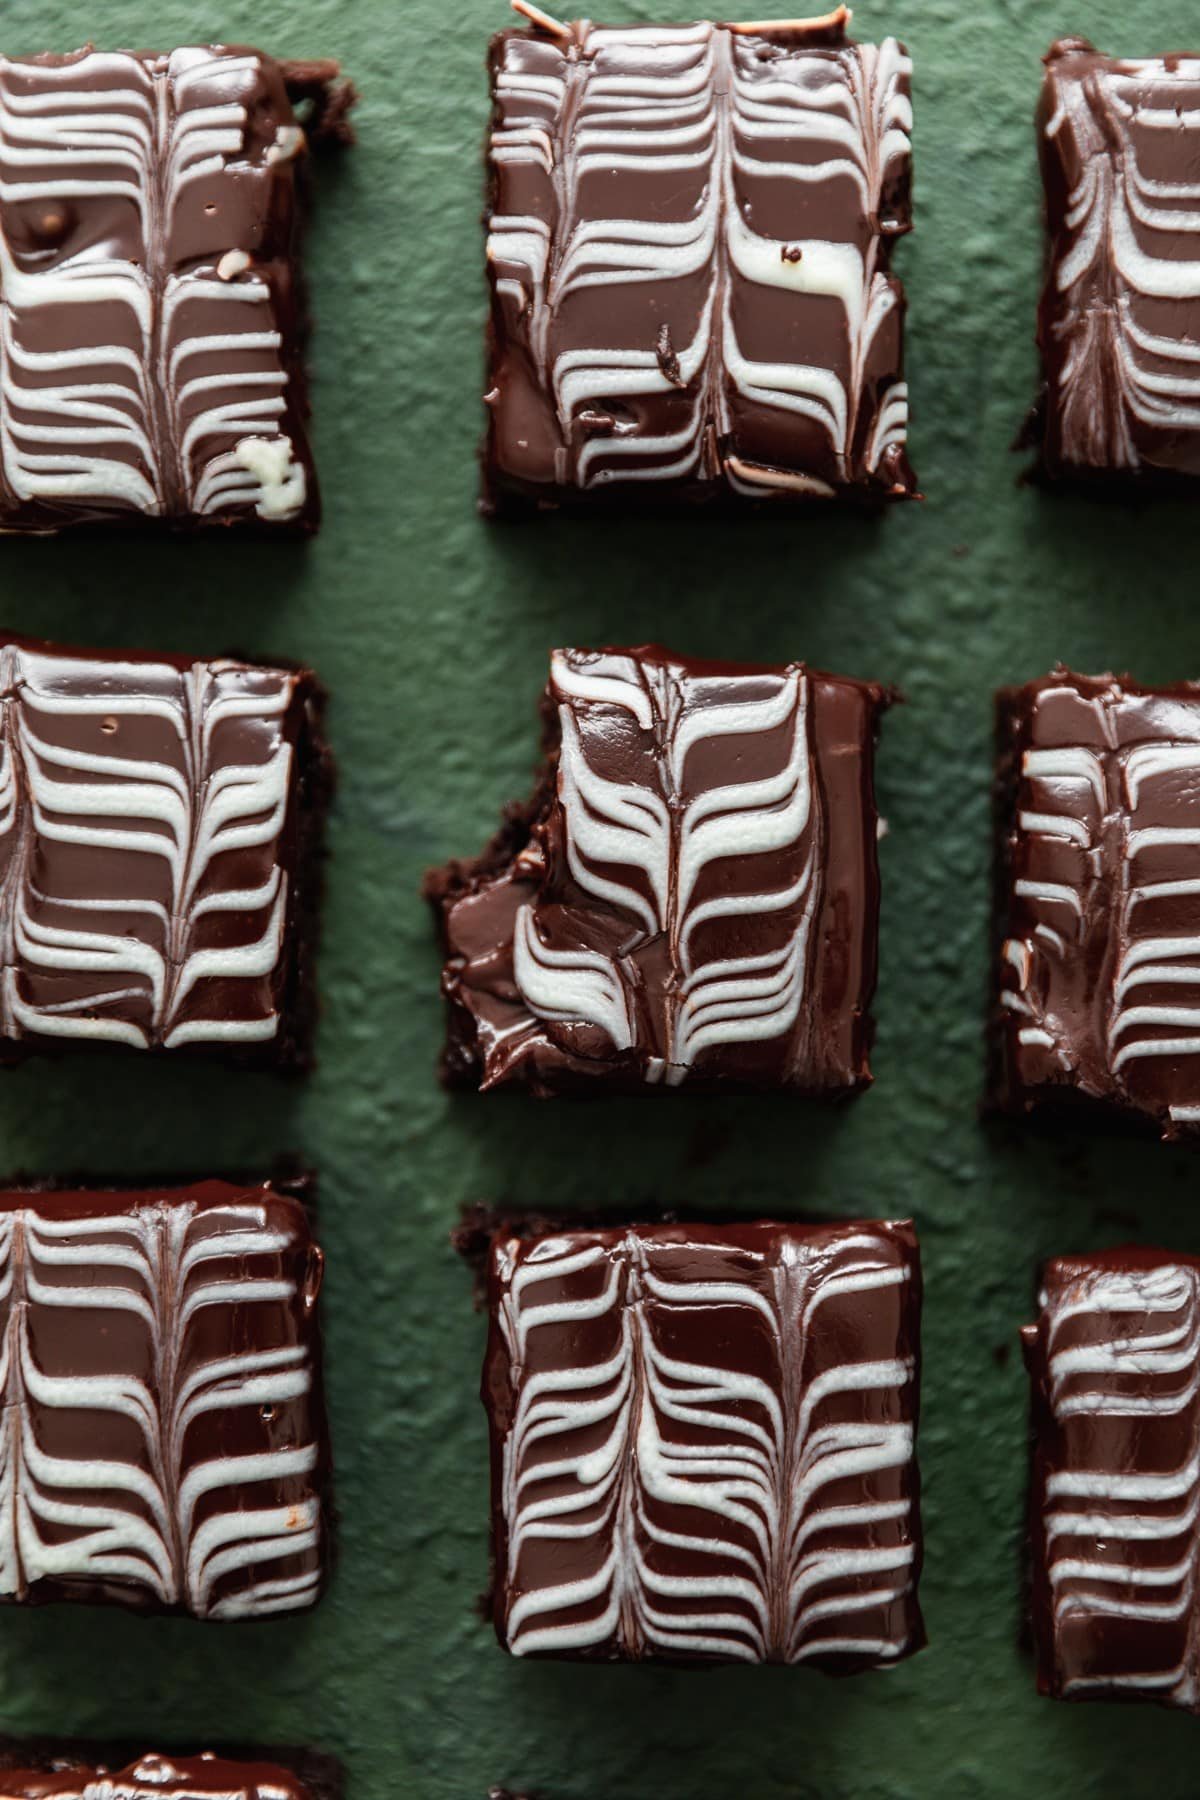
160	823
205	1777
675	317
1113	1363
702	1443
1099	897
1120	311
149	292
719	931
162	1430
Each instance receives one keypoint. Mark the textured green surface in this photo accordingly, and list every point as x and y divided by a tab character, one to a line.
432	631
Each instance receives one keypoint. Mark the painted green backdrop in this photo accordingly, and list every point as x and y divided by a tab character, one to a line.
432	630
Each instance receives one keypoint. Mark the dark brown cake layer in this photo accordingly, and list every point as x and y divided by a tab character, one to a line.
1099	898
1113	1360
690	232
690	899
150	300
1120	312
160	860
703	1443
162	1439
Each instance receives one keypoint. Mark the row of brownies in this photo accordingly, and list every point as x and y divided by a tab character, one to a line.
690	238
703	1437
690	233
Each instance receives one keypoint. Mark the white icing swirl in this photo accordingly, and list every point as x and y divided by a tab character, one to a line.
169	372
144	970
659	102
1091	811
791	1551
203	1534
645	850
1123	1345
1129	234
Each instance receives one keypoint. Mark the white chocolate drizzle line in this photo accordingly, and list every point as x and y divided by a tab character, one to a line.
167	374
206	1535
705	107
608	1458
180	818
617	832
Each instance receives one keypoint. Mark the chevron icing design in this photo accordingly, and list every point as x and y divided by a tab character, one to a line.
1133	265
223	1535
167	393
1091	808
720	1512
644	849
1122	1359
166	834
706	108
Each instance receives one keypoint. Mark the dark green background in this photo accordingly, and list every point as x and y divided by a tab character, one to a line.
432	630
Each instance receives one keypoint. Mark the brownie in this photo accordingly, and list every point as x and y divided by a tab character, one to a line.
1099	899
1120	312
160	831
65	1772
1113	1361
689	241
150	307
703	1443
691	897
163	1442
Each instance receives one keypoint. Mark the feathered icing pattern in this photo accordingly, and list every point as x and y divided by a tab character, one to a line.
169	384
705	108
646	1464
1124	366
1122	1350
1091	807
644	850
215	1537
144	976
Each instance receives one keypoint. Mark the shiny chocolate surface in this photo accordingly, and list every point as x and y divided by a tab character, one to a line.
162	1441
691	897
690	232
703	1443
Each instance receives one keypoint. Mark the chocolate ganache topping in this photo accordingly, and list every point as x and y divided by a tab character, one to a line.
150	327
1120	314
691	897
689	245
702	1443
1100	896
159	823
1114	1360
161	1434
154	1777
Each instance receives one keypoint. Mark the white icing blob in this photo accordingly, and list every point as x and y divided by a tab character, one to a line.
282	482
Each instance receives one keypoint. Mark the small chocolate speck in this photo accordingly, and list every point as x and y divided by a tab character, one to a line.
668	361
791	253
